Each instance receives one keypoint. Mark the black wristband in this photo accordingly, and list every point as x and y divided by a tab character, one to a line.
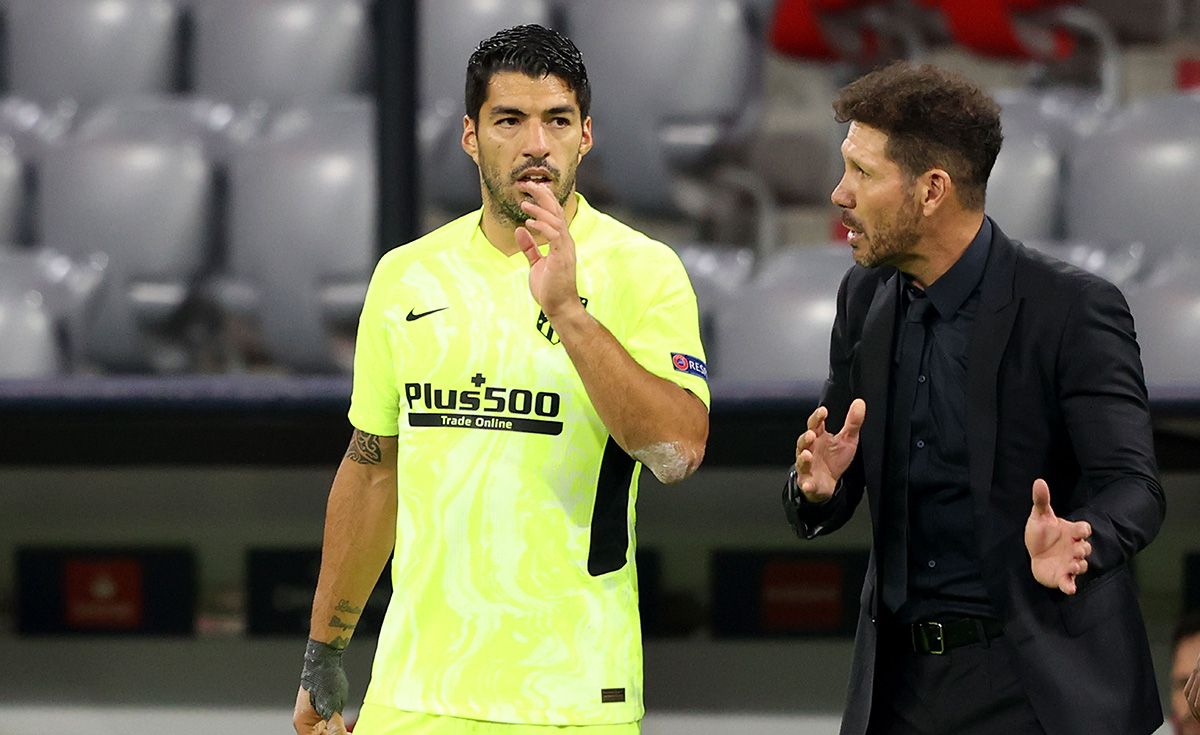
324	679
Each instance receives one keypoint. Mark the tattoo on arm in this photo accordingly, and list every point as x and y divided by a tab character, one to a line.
346	607
339	643
364	449
337	622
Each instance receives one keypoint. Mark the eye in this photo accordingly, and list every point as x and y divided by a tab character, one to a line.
507	122
561	122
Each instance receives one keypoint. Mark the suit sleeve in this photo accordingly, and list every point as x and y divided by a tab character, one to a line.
810	520
1102	392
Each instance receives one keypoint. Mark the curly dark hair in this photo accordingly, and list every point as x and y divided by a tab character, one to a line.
530	49
933	119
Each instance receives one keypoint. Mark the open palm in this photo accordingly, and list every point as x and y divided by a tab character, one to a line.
1058	548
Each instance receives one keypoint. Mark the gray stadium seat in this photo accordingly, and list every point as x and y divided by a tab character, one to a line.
218	125
12	192
1134	180
774	331
1124	265
302	238
673	82
145	204
1166	312
1024	191
43	294
27	328
88	50
450	31
279	51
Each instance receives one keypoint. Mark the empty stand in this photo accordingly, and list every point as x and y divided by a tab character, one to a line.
88	50
1166	311
673	83
143	202
1024	190
27	328
1134	180
302	231
774	331
278	51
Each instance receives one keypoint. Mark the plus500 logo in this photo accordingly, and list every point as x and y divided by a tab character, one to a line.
493	399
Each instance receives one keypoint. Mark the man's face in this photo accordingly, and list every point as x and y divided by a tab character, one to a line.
877	200
530	133
1184	664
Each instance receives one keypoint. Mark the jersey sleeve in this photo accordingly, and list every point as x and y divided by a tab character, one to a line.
666	339
375	400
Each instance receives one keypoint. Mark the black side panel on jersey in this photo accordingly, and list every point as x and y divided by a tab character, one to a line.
610	529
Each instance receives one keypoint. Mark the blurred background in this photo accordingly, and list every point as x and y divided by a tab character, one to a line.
193	194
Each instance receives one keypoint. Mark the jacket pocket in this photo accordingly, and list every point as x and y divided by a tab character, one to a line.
1097	602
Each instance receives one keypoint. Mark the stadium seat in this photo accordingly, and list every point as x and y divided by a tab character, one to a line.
43	295
674	83
450	31
279	51
12	192
144	203
774	331
219	126
1146	21
1134	180
1166	312
84	51
1048	34
27	329
1024	190
302	238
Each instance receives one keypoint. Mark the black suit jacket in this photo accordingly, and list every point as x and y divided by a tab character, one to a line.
1054	390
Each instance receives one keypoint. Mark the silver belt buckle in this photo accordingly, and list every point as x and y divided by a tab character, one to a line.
939	640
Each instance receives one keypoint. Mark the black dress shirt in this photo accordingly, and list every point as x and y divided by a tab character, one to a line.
944	578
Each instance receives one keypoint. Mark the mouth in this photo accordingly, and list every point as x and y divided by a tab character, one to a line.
535	176
854	231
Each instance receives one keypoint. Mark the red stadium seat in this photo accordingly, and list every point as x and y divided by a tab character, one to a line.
1009	29
797	30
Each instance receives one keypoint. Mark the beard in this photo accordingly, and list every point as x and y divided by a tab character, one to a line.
892	239
505	199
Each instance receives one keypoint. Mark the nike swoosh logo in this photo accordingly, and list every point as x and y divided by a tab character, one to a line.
413	317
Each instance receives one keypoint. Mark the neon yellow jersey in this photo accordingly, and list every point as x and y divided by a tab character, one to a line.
515	593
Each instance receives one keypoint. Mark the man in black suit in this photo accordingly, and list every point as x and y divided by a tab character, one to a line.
968	375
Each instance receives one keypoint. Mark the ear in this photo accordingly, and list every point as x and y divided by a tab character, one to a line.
935	189
585	143
470	139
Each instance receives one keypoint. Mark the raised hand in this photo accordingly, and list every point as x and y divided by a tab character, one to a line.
821	457
1058	548
551	276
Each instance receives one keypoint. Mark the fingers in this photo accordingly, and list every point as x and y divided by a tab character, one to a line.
1041	498
337	725
528	245
1081	530
1191	691
1067	585
1082	549
854	419
816	419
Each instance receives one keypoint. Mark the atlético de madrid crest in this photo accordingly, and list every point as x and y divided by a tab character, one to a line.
543	324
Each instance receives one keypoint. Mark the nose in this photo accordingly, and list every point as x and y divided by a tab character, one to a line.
842	196
537	143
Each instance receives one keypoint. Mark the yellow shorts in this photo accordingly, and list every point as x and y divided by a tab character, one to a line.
374	719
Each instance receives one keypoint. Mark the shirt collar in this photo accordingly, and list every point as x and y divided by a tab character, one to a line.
950	292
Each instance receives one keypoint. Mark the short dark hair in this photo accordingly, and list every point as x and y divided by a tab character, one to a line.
532	50
933	118
1188	626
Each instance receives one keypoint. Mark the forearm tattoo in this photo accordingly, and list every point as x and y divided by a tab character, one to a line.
364	449
346	607
337	622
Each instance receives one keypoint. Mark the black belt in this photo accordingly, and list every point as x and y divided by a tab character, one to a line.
937	638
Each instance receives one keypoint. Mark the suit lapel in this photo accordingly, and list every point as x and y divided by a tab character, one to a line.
875	357
993	326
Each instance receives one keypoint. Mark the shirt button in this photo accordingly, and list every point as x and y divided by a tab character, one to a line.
920	444
932	564
920	378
